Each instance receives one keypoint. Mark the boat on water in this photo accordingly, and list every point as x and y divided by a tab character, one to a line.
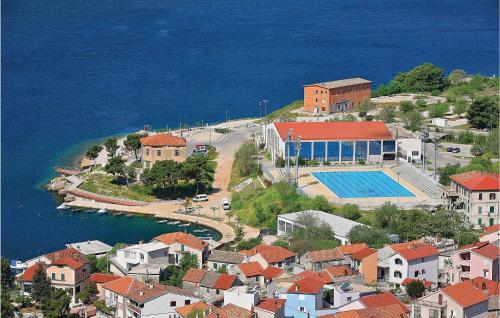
102	211
118	213
63	207
206	238
185	224
174	222
163	221
200	231
129	215
18	266
76	210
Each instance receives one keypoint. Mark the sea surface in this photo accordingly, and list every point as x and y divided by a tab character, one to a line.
74	72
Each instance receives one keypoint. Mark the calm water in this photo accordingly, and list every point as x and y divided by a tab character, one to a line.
75	71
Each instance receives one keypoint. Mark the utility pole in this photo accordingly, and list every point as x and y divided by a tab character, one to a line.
289	139
297	154
436	141
425	136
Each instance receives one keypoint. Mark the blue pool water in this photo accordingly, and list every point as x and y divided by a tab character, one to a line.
362	184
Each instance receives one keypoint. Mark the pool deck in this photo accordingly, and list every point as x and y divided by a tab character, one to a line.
312	186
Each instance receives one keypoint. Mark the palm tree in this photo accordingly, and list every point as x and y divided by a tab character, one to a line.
214	208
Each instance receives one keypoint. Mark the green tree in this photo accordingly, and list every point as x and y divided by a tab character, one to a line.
176	274
406	106
87	293
281	243
133	142
385	215
415	289
350	211
111	145
165	173
483	112
391	88
199	169
424	78
387	114
314	234
222	269
7	308
366	106
245	162
115	166
456	77
447	171
438	110
421	104
466	236
41	287
56	304
7	277
373	237
248	244
413	120
93	152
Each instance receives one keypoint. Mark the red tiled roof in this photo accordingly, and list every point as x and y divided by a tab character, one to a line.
120	286
194	275
68	252
406	245
483	284
307	285
102	278
251	269
488	251
30	272
230	311
381	300
420	251
491	229
338	270
135	289
248	252
351	249
271	272
274	254
320	276
478	181
182	238
363	253
390	311
68	261
325	255
473	245
271	305
225	281
465	294
163	140
365	130
184	311
406	281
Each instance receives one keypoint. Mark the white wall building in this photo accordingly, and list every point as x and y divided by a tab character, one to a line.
142	253
242	296
418	262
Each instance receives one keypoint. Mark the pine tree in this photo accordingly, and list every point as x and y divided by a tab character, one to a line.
41	285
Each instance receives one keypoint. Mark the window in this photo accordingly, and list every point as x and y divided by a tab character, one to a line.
182	247
215	265
257	278
480	210
349	299
493	196
147	152
480	196
479	221
176	152
485	274
63	277
453	314
433	313
302	309
398	261
217	291
398	274
417	311
173	303
423	271
187	302
141	256
414	153
53	276
492	209
416	273
158	152
375	147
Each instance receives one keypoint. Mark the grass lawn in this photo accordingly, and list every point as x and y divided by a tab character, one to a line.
285	111
106	185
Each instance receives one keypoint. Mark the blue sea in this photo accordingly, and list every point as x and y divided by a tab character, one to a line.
77	71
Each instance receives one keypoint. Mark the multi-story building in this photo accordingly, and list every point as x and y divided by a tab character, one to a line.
142	253
418	261
479	259
161	147
133	298
183	243
366	141
476	194
269	255
304	299
336	96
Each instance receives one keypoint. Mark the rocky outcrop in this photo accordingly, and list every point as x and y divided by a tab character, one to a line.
59	184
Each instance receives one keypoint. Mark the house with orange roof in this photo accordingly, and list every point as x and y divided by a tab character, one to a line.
160	147
249	274
476	194
98	279
384	253
365	262
417	261
491	234
231	311
317	260
375	301
338	142
180	243
304	298
271	308
131	297
460	300
202	308
269	255
128	258
480	259
208	285
389	311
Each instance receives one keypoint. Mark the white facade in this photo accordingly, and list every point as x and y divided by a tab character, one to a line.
440	305
342	297
242	296
425	268
147	253
410	149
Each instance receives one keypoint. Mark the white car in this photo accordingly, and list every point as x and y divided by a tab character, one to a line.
200	198
225	204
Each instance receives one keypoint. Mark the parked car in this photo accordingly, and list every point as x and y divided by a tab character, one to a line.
453	149
200	198
200	147
189	210
225	204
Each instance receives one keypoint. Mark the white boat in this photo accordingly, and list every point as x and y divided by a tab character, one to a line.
174	222
63	207
163	221
200	231
185	224
102	211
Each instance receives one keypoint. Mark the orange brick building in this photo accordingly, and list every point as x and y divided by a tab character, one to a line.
336	96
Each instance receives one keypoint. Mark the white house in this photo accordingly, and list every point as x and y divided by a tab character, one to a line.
142	253
419	261
408	144
133	298
94	247
183	243
242	296
340	226
219	259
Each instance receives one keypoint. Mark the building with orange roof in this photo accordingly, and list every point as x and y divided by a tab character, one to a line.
491	234
248	273
98	279
271	308
230	311
338	271
269	255
332	141
374	301
418	261
133	298
459	300
336	96
208	285
180	243
476	194
365	262
480	259
160	147
200	307
304	298
389	311
317	260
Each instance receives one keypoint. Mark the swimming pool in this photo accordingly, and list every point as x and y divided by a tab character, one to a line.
362	184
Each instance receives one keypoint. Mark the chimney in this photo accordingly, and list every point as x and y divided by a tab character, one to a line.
141	293
150	286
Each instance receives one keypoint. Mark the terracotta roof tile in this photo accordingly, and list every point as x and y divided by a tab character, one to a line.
182	238
390	311
338	270
251	269
405	245
248	253
29	273
274	254
226	257
230	311
465	294
68	261
335	130
488	251
163	140
382	300
483	284
271	305
194	275
478	181
184	311
473	246
225	281
271	272
420	251
491	229
307	285
68	252
320	276
363	253
102	278
325	255
352	248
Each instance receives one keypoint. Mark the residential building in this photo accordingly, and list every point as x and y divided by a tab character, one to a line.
269	255
384	254
491	234
231	311
365	262
409	145
133	298
340	226
374	303
98	279
182	243
249	273
348	292
337	142
149	272
25	280
304	299
94	247
479	259
143	253
218	259
201	307
318	260
459	300
162	147
337	271
336	96
271	308
271	273
418	261
388	311
242	296
208	285
476	194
